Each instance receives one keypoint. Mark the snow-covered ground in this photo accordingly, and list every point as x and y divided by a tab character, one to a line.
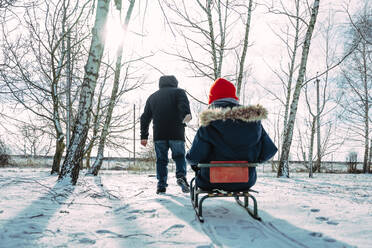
121	209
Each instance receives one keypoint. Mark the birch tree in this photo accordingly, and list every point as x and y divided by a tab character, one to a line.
323	86
242	58
283	170
356	84
324	97
290	35
75	151
315	123
114	94
95	124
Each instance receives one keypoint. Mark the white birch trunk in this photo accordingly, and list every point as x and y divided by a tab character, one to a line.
68	93
75	151
366	109
282	171
245	48
101	146
212	39
370	156
291	69
105	130
223	37
95	124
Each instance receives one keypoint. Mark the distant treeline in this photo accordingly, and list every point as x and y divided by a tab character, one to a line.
114	159
131	159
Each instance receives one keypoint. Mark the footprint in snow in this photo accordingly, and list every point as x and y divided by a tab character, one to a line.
251	229
150	211
331	222
221	210
75	235
329	240
173	230
133	217
225	231
87	241
104	231
321	218
316	234
135	211
315	210
121	208
209	214
245	223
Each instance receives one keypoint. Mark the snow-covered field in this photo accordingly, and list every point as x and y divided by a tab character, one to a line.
121	209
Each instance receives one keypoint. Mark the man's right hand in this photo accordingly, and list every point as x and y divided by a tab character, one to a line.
144	142
187	119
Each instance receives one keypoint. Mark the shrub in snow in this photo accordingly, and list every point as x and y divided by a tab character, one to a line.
4	157
352	162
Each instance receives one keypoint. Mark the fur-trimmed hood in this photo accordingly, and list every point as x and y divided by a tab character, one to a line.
244	113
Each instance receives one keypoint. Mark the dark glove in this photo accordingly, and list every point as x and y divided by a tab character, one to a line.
194	167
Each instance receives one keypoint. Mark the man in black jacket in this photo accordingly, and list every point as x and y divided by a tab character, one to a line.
169	110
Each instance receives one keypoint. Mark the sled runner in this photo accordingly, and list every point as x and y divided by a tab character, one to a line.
224	172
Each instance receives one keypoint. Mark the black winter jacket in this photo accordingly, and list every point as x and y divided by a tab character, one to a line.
167	108
230	133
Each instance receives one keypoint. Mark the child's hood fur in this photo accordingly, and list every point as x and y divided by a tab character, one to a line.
244	113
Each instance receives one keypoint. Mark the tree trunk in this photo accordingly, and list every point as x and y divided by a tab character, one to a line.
60	148
75	152
319	155
283	170
60	145
95	124
366	110
208	10
68	91
87	158
291	69
222	36
370	156
311	148
101	146
245	47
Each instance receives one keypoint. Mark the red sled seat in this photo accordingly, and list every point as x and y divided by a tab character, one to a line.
228	174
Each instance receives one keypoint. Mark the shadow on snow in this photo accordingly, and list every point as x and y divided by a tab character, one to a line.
229	225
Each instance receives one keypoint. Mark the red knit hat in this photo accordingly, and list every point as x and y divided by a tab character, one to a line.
221	88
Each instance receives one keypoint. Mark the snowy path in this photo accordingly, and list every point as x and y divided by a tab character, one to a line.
119	209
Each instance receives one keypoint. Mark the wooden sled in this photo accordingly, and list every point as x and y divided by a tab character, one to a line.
224	172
